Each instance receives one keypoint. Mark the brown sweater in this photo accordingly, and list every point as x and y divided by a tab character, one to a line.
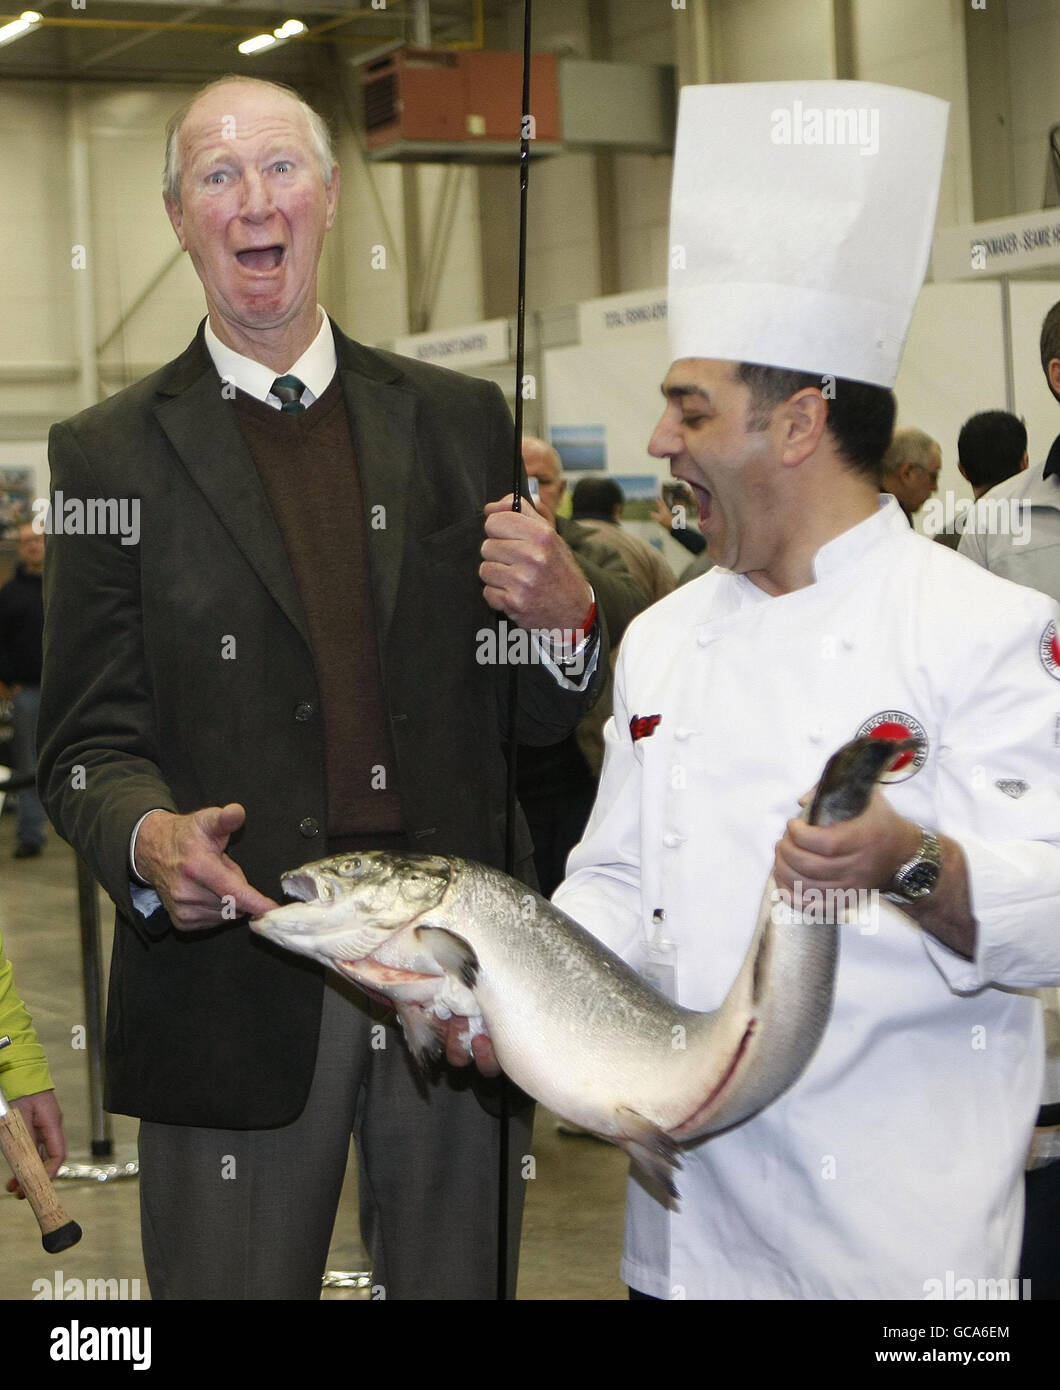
309	472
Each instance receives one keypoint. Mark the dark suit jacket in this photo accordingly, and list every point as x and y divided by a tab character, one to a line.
220	1028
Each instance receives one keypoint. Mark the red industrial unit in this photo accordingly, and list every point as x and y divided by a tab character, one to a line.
438	105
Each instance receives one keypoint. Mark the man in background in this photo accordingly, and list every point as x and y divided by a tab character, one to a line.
597	505
991	447
21	625
911	468
1029	550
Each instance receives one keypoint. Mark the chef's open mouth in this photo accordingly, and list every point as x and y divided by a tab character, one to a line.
261	257
704	498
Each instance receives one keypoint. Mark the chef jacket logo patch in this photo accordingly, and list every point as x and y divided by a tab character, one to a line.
896	724
643	725
1049	651
1012	786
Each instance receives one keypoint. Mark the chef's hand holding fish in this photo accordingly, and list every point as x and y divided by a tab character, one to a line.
865	853
183	859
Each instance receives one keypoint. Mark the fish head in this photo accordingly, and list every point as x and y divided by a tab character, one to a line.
850	774
347	906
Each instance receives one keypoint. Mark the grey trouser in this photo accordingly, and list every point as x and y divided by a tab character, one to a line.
248	1214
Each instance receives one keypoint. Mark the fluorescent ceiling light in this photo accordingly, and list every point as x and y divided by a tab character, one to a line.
286	31
27	20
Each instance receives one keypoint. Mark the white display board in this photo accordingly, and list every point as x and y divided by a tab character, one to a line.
953	367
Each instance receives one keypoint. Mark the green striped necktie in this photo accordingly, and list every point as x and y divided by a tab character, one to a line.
289	389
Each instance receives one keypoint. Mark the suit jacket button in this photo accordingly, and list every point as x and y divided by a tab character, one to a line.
309	827
303	711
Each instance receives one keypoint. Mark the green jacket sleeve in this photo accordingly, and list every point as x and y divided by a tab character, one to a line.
23	1066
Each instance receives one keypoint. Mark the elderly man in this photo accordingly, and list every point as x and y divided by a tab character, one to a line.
894	1162
911	467
285	667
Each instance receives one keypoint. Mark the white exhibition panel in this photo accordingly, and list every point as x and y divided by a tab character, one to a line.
1029	302
614	384
953	366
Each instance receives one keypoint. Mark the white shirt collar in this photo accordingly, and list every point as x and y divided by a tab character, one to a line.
316	366
846	549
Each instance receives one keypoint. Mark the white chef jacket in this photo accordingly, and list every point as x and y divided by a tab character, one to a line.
897	1156
1014	529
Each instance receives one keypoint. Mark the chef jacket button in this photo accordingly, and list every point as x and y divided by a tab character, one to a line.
704	639
848	644
308	827
671	841
682	733
816	735
304	710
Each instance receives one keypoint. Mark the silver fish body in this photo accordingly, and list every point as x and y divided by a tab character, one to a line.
570	1022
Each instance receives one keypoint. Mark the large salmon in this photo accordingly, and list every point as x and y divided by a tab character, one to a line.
570	1022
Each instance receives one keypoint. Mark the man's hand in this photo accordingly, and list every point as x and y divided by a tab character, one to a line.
529	573
44	1120
456	1051
183	858
860	853
661	513
866	853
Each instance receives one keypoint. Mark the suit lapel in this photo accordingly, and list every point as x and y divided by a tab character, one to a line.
382	413
201	425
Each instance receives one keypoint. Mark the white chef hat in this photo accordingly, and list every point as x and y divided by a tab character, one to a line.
801	222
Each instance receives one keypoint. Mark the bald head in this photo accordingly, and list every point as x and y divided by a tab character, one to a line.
543	463
174	162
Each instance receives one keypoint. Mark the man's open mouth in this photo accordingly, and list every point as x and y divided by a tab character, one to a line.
704	498
261	257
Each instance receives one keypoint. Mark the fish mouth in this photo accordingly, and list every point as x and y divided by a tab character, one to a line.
302	887
262	258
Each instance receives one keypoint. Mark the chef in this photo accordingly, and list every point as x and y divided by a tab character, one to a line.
800	227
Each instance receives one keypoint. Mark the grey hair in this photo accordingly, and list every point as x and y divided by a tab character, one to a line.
173	171
908	446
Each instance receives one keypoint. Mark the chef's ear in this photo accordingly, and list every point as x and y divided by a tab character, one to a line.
801	420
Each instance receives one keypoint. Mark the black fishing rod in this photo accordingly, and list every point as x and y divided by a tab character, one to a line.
526	124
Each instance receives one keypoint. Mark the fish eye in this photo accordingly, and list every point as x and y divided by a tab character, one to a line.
350	866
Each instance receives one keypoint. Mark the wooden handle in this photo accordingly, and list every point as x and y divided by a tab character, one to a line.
58	1232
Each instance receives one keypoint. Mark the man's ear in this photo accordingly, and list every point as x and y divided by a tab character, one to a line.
332	192
960	470
1054	374
802	420
175	213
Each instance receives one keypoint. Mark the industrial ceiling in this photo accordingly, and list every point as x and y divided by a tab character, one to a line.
150	40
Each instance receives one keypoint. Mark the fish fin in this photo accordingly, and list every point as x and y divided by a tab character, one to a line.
424	1033
650	1147
451	952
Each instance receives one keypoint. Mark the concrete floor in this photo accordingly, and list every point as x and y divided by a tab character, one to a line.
572	1232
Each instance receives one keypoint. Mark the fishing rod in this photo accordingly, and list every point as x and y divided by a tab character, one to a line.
526	124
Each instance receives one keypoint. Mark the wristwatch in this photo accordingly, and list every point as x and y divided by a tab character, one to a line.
918	876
